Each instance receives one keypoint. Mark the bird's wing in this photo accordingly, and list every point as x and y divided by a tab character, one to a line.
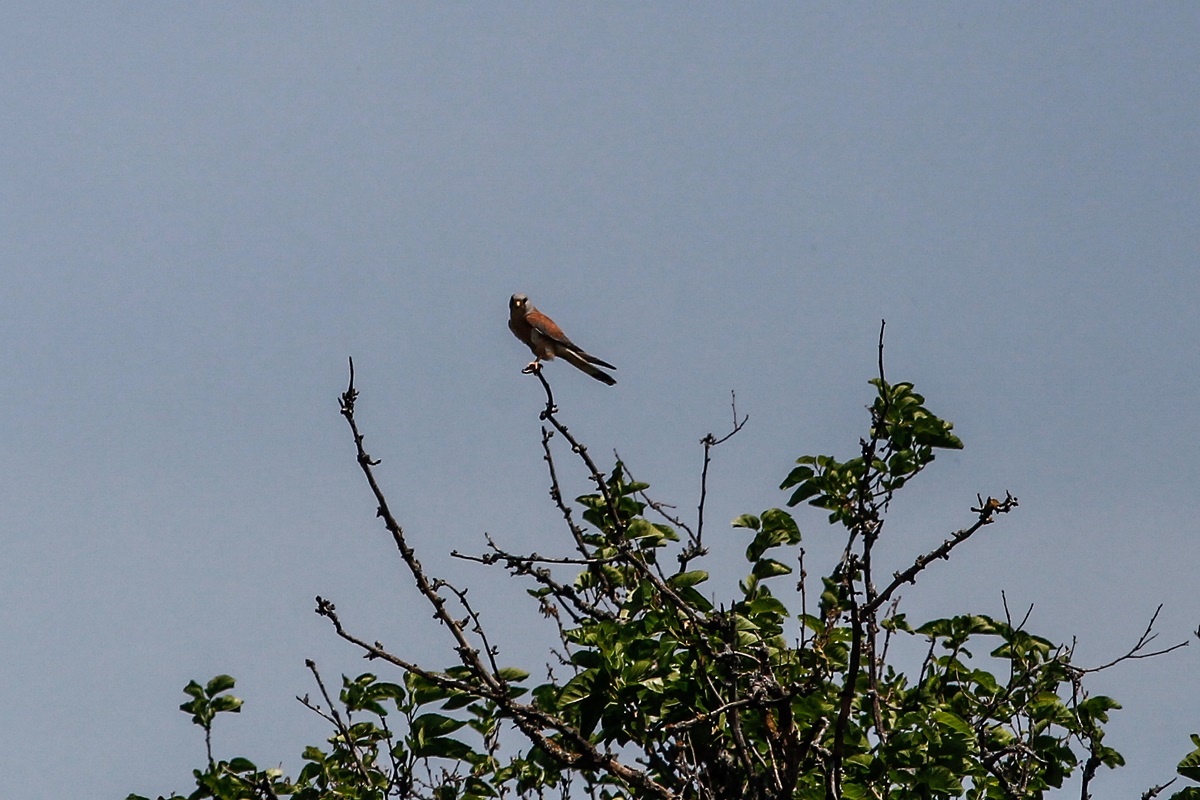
546	327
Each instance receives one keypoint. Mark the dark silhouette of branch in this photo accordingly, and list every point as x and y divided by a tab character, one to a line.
623	545
576	606
868	523
468	653
574	749
1008	616
1155	791
529	719
696	545
1089	771
1135	652
557	496
657	506
336	718
987	511
548	415
376	651
833	776
477	626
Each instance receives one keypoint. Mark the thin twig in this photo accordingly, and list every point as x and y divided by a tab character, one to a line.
570	747
466	651
548	414
1146	638
343	727
1155	791
986	511
696	547
557	496
619	533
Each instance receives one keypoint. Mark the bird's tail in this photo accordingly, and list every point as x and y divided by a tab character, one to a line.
598	362
584	362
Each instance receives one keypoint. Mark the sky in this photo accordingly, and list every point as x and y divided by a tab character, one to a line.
206	208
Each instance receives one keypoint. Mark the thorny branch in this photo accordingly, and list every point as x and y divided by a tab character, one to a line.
575	749
1155	791
468	654
620	539
987	511
695	545
548	414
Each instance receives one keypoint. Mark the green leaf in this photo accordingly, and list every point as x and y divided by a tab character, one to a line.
806	490
763	542
643	529
578	688
767	604
1189	767
513	674
443	747
797	475
769	568
425	691
747	521
219	684
853	791
780	522
475	788
241	765
955	723
775	528
1097	708
227	703
428	726
694	599
683	579
939	779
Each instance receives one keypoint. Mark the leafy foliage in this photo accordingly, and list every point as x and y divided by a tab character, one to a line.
667	694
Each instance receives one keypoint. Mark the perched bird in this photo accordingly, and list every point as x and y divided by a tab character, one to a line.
547	340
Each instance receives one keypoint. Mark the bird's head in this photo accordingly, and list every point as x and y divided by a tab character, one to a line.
518	303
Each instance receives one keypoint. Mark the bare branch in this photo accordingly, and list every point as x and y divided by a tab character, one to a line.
468	653
524	565
343	727
695	545
1155	791
548	414
557	496
659	507
1135	652
376	651
987	511
623	545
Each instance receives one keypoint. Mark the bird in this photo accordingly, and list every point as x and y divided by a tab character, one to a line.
547	340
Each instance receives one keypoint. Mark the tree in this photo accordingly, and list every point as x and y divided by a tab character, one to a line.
665	694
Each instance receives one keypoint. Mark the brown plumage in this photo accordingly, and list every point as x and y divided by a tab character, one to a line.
547	340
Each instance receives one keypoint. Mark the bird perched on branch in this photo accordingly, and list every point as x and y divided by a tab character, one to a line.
547	341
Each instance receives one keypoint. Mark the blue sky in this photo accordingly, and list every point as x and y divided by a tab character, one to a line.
205	209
